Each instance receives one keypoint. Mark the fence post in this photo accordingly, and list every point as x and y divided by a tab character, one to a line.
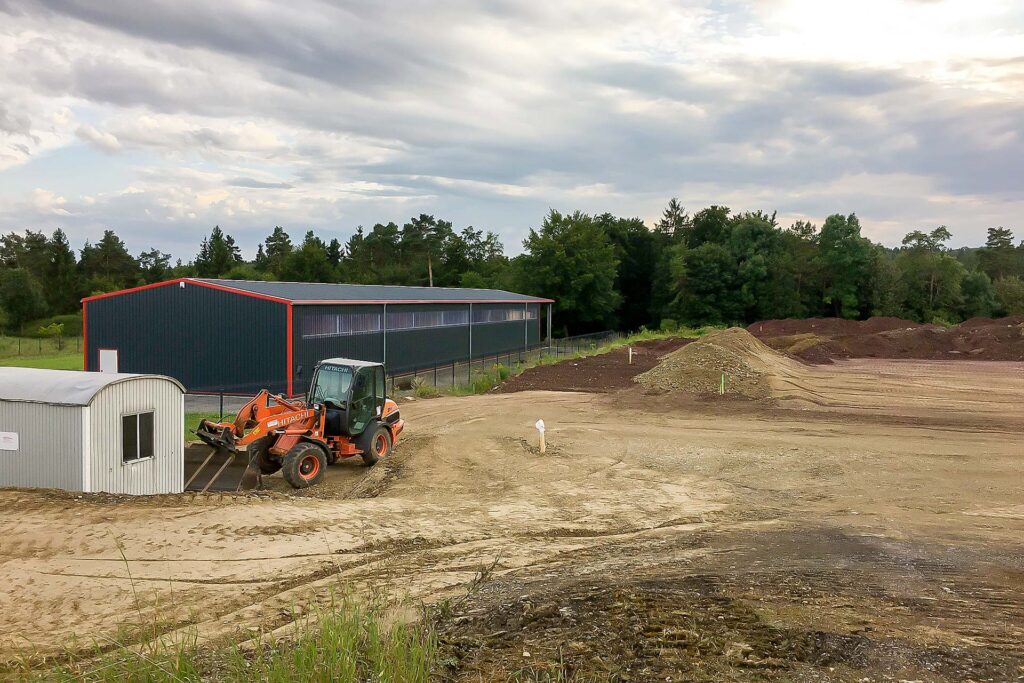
435	376
221	406
453	374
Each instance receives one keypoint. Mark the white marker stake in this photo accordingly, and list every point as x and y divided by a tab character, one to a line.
630	355
540	429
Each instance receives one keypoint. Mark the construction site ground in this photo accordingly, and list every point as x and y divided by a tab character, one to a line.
865	524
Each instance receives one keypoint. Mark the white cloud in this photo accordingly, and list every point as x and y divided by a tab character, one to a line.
328	114
101	139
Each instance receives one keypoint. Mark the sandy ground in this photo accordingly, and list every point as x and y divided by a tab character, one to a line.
868	525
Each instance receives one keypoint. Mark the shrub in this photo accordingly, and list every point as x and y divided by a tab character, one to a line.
424	390
669	325
72	323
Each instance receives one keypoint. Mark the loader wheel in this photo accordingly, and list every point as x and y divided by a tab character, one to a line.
260	448
375	443
304	465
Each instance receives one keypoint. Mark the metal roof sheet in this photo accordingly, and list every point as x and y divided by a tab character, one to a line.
314	292
60	387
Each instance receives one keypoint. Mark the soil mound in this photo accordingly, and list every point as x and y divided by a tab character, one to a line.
750	367
594	374
828	327
810	348
820	340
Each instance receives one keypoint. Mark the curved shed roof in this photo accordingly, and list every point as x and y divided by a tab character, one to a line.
61	387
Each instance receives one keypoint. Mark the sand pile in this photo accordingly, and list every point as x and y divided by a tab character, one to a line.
751	368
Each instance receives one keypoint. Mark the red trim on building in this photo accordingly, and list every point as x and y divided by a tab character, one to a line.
85	336
280	300
289	354
331	302
190	281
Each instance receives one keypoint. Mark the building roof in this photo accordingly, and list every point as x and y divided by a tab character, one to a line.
315	292
338	293
60	387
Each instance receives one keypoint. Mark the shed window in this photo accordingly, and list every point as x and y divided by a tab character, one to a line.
491	314
136	437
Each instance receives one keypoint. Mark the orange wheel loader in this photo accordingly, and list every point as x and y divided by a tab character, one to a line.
346	413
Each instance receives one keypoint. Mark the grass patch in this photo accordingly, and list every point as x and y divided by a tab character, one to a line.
346	640
53	354
192	421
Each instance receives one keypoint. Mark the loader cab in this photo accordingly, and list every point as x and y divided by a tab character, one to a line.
352	392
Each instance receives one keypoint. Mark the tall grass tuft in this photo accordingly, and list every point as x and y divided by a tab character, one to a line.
348	640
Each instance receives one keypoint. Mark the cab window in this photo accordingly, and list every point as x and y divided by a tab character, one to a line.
331	384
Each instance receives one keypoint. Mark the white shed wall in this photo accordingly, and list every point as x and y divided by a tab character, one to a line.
164	472
49	444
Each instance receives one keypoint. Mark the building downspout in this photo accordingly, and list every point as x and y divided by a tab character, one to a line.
549	325
471	332
384	326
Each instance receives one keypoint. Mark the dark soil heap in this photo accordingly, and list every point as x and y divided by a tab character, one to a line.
822	340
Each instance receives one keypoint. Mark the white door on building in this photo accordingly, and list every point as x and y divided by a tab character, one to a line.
108	360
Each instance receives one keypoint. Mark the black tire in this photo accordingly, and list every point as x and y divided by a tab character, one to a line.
304	465
259	452
375	443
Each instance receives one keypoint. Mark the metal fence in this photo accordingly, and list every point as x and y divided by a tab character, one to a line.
464	372
38	346
460	373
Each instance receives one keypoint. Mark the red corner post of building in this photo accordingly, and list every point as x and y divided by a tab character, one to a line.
85	336
291	391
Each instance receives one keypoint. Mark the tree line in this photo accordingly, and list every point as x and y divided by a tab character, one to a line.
711	267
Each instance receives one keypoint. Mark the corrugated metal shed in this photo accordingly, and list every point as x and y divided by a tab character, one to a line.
80	431
296	292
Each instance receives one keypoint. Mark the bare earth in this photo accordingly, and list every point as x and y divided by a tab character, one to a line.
868	524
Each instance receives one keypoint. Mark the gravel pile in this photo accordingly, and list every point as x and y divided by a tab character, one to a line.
697	368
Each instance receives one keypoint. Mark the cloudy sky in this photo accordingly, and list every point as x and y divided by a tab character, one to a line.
162	118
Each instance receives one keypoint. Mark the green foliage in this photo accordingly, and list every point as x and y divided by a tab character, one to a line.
604	271
218	253
71	325
978	296
21	297
347	640
668	325
49	353
51	330
107	265
570	260
846	262
423	390
1010	294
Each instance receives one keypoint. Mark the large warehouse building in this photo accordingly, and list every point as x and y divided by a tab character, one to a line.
240	336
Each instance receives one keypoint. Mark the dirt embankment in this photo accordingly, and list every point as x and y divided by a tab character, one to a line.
823	340
595	374
729	361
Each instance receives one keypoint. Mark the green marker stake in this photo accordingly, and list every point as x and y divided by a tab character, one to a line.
721	390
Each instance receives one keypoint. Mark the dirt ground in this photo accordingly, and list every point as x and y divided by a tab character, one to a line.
865	525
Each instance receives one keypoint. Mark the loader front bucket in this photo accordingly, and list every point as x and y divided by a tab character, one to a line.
220	466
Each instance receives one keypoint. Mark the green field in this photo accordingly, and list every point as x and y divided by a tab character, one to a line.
41	353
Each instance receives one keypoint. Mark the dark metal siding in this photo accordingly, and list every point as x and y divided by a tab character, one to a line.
429	346
310	351
207	339
533	325
491	338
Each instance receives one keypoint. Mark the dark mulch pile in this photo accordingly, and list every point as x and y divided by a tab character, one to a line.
818	340
828	327
595	374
